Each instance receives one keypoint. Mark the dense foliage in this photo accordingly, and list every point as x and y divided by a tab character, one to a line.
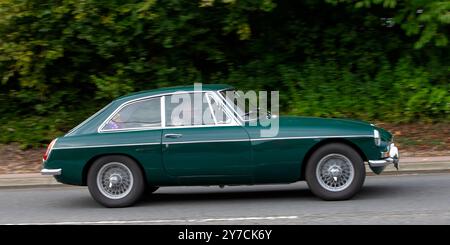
61	60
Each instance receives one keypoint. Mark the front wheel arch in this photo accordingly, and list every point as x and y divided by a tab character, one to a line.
325	142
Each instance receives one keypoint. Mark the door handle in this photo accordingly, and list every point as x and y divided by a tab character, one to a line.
172	136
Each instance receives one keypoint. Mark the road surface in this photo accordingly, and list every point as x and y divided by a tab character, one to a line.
405	199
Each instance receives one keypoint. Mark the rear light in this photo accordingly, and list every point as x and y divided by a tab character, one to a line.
49	149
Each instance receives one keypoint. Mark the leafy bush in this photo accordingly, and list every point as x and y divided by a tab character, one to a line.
370	59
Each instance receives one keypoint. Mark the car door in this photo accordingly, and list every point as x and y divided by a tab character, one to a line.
212	150
275	159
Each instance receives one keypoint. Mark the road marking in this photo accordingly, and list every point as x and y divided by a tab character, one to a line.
118	222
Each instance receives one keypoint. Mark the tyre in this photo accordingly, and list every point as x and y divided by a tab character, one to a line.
335	172
115	181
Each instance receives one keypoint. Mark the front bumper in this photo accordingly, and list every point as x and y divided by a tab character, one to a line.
393	158
53	172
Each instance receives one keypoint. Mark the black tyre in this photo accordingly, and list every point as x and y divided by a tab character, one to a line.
335	172
115	181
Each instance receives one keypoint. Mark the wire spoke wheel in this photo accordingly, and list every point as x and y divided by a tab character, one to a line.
115	180
335	172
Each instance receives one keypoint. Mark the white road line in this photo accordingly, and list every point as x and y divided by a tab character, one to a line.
118	222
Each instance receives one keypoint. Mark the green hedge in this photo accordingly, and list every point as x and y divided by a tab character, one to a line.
372	59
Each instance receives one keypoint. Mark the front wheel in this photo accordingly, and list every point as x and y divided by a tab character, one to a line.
115	181
335	172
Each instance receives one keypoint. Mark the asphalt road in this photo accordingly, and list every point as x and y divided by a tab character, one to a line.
407	199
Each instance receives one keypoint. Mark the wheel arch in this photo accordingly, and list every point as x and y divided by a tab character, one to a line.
325	142
91	161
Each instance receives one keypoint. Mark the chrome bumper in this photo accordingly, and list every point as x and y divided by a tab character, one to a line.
393	158
51	171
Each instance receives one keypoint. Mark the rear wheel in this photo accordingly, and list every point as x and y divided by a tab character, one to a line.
335	172
115	181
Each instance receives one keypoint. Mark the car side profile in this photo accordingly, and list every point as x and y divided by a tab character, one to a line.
134	145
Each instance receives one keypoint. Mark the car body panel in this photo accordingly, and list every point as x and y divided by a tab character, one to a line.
209	155
280	158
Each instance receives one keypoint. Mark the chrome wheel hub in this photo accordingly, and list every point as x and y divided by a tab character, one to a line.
335	172
115	180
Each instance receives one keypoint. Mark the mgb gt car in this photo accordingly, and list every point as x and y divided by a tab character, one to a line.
135	145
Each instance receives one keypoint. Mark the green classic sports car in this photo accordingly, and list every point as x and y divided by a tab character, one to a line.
134	145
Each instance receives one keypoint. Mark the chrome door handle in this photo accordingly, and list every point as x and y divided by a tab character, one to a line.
173	136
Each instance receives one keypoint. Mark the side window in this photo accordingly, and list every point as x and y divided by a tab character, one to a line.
187	109
219	112
141	114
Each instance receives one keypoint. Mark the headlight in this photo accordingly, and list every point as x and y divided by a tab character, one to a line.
376	137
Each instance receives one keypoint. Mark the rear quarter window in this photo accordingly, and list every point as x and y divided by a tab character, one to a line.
140	114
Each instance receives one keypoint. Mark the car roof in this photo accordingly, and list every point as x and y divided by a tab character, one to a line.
145	93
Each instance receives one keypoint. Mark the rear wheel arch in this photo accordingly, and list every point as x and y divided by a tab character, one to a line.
326	142
116	181
91	161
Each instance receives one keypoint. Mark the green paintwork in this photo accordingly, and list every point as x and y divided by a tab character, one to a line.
209	162
232	155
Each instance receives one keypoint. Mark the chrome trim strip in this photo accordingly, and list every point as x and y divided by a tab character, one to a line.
315	137
100	129
130	129
172	127
163	111
204	141
52	172
214	141
208	99
378	163
123	105
260	139
235	121
99	146
231	107
384	162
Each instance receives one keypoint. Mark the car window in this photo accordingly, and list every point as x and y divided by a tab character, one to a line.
187	109
246	111
219	112
141	114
